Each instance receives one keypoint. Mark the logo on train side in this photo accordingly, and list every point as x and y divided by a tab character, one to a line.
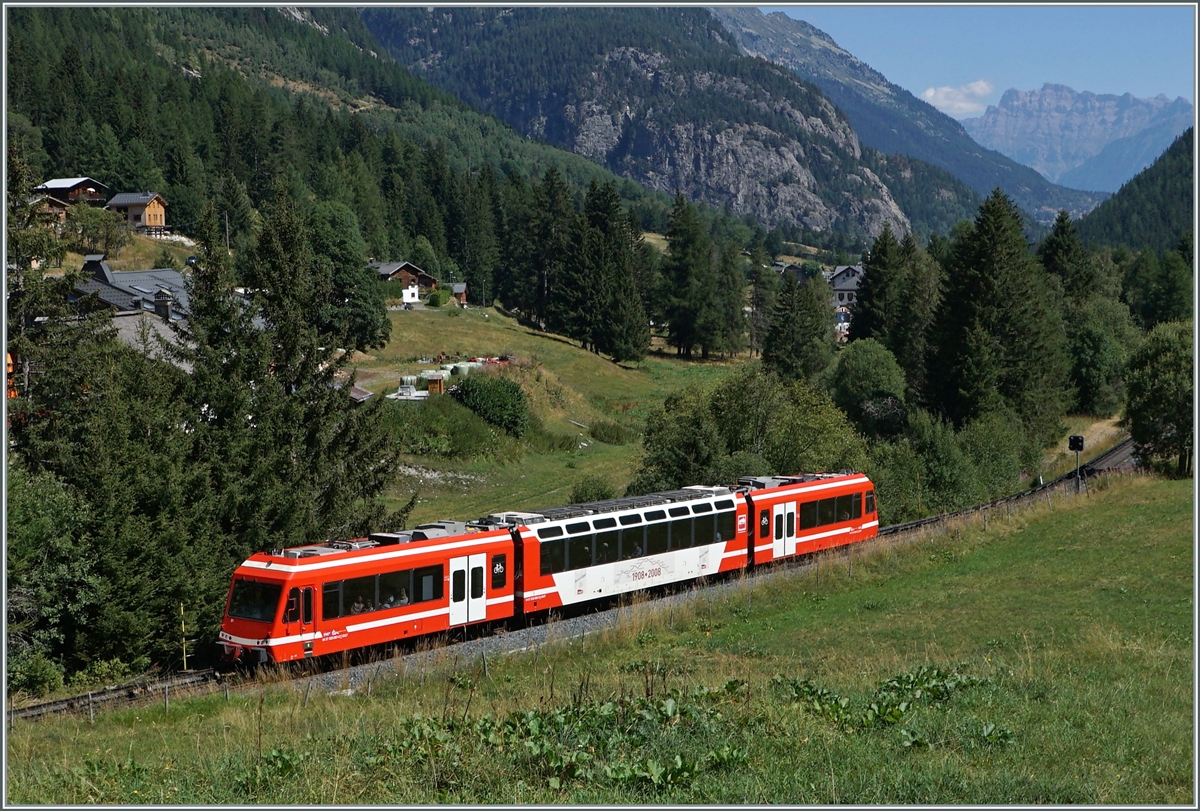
741	523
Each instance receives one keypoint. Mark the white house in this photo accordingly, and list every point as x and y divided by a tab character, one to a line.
411	294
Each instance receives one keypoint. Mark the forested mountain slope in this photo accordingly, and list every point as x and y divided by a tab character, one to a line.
664	97
199	104
891	119
1154	209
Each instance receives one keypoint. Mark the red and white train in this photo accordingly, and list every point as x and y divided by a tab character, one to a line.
326	598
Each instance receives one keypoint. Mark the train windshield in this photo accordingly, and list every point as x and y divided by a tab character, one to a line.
254	601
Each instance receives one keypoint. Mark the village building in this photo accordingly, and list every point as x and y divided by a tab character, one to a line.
145	211
71	190
406	273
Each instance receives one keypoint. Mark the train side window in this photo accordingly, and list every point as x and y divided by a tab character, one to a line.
606	545
678	512
476	582
549	532
870	501
808	515
554	556
705	531
657	537
726	525
499	571
842	508
779	527
633	543
291	613
307	598
458	586
582	526
331	600
764	525
579	552
604	523
655	515
427	583
702	507
825	511
856	506
725	505
395	588
630	520
791	523
681	533
360	592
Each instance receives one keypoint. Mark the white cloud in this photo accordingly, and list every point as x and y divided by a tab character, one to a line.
959	102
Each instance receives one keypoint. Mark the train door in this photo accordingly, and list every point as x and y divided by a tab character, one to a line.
468	589
789	527
779	547
298	615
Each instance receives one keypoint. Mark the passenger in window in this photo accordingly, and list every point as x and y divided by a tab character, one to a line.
359	606
403	598
390	602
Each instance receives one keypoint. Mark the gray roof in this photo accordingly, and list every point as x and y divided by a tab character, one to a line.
132	289
386	269
458	287
846	277
128	326
139	198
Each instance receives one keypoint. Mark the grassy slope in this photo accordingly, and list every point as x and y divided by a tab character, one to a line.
564	382
1077	616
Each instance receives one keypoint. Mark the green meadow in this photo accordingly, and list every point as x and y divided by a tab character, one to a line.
1044	659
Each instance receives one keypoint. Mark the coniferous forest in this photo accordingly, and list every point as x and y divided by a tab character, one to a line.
136	483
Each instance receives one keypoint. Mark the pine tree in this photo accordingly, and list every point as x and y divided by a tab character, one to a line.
687	269
876	307
916	306
1000	336
799	342
764	283
554	216
1063	256
730	336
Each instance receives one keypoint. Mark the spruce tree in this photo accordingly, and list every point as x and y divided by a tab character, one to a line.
554	217
799	342
1063	256
916	306
875	307
764	284
688	271
1000	336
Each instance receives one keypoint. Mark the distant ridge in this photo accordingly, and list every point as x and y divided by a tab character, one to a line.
1065	134
889	118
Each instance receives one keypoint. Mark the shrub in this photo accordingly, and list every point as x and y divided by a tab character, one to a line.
498	400
611	433
440	426
34	674
438	297
100	672
592	487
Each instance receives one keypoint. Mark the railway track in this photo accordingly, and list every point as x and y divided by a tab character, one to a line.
143	691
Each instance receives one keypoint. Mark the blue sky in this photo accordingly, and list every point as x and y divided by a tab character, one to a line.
963	58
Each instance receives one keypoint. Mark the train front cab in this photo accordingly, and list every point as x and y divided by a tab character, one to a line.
287	607
799	515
